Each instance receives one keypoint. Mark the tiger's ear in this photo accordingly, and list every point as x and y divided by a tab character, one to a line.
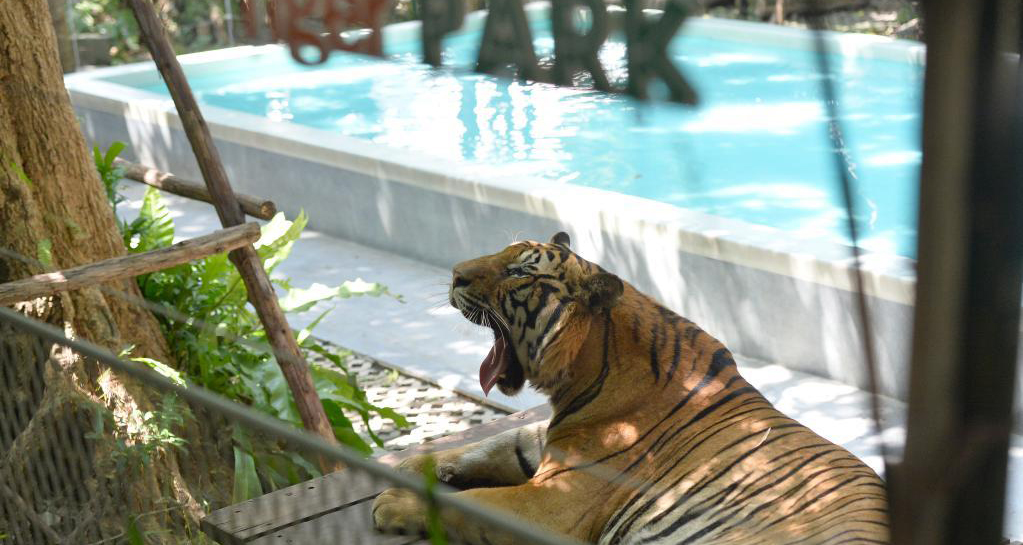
600	290
561	238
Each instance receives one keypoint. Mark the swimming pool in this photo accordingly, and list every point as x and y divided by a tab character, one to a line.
756	149
445	166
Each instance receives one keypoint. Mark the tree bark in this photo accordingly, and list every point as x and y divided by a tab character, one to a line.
84	485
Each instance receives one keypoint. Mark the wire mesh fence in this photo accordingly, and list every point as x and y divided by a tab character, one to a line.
75	481
79	468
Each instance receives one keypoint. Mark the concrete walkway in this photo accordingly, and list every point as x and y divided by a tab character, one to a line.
425	338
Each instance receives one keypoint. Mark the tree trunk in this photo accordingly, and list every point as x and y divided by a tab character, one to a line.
63	479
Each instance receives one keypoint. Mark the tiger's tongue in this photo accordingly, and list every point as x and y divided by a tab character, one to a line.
493	365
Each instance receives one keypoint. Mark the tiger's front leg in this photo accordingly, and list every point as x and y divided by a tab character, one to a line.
506	459
401	511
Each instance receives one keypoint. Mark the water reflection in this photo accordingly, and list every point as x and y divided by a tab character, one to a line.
756	150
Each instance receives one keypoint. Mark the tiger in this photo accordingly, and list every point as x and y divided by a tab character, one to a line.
654	436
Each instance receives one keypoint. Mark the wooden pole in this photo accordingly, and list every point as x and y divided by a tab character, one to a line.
128	265
253	206
261	293
950	486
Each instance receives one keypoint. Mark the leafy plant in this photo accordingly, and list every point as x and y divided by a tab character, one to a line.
223	346
141	438
152	229
110	18
109	173
194	25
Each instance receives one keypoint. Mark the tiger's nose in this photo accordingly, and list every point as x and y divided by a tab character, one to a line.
460	281
464	273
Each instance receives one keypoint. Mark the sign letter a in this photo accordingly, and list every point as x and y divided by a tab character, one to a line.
507	41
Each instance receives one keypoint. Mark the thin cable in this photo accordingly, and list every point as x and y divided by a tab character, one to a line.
843	168
295	437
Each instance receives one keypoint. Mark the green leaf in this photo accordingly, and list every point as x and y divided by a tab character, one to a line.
304	334
154	227
161	231
278	236
215	267
332	384
351	288
246	482
343	429
163	369
300	461
335	414
434	528
301	300
132	533
273	469
113	151
241	437
44	252
109	173
271	392
336	359
354	440
390	414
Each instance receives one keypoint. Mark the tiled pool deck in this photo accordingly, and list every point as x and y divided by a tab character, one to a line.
437	353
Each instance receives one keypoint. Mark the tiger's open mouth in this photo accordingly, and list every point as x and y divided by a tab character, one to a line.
501	365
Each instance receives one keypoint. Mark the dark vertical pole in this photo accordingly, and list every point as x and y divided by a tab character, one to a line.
950	487
261	293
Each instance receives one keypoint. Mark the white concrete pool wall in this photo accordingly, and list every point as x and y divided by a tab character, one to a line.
769	295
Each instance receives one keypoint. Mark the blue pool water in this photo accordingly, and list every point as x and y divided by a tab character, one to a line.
756	149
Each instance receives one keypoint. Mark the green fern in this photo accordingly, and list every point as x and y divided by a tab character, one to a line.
153	228
225	349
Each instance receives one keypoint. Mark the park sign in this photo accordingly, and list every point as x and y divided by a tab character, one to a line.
507	42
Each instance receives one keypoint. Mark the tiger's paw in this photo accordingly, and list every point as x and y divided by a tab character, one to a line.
446	466
399	511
